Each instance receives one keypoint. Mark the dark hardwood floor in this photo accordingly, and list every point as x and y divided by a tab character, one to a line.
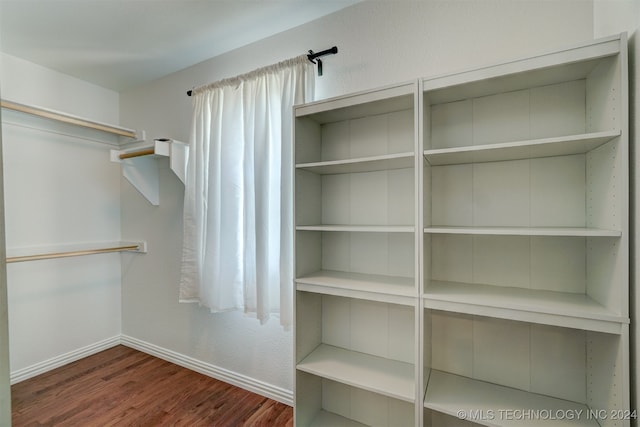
125	387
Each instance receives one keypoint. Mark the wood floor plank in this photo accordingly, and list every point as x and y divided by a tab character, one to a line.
124	387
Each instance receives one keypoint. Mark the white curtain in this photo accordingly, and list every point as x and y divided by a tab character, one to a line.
238	225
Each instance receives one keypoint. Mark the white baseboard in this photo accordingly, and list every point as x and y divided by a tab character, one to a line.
251	384
63	359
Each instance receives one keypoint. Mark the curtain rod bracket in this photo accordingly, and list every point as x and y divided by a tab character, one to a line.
315	57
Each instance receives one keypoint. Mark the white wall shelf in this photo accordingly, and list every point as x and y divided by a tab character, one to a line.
384	376
140	164
544	147
35	116
493	405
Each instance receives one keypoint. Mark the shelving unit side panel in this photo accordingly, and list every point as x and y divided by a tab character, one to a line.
307	140
608	374
308	252
429	345
427	195
308	324
607	188
604	95
607	277
308	201
308	399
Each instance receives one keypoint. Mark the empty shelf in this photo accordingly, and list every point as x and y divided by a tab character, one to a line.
359	228
387	377
545	147
494	405
400	290
525	231
536	306
363	164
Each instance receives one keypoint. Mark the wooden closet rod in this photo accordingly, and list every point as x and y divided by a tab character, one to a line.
67	118
72	253
131	154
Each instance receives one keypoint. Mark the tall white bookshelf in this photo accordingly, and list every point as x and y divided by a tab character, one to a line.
525	259
462	245
357	287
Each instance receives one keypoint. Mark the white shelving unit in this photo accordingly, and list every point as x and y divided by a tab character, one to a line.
357	288
525	258
462	244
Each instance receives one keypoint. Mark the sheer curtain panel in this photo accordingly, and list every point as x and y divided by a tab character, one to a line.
238	225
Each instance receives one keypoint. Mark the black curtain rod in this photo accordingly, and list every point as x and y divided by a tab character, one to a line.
313	57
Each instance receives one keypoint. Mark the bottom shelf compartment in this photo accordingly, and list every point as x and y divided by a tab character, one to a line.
507	373
329	419
325	403
494	405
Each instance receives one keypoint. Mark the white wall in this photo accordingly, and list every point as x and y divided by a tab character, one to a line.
614	16
379	43
59	189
